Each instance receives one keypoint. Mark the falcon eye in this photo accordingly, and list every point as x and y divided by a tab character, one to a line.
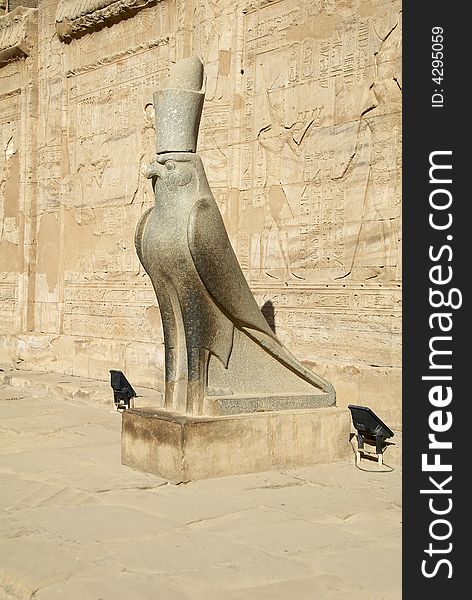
170	165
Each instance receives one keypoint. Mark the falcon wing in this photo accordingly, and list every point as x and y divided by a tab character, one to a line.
218	267
219	270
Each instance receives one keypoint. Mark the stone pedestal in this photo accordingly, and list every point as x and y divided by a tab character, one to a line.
184	448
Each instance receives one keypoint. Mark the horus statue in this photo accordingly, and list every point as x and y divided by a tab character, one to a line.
221	356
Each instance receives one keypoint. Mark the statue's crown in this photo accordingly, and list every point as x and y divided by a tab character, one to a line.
178	107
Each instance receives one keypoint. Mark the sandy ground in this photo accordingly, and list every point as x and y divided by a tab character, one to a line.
77	525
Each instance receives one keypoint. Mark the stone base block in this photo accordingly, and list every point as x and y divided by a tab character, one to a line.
185	448
236	405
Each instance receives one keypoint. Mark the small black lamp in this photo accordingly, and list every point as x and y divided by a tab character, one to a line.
122	390
369	428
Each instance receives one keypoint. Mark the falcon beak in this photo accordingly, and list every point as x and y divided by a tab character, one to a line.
155	169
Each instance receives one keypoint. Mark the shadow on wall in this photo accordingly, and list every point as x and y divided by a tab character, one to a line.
269	314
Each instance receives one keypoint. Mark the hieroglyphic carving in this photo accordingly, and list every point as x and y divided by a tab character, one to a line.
335	298
85	292
337	69
213	45
75	18
277	211
363	323
143	191
109	84
378	155
54	75
9	174
110	132
107	114
213	146
213	142
110	311
8	302
105	325
9	210
111	58
52	142
149	28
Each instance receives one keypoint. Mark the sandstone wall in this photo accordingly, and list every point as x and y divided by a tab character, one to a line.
301	138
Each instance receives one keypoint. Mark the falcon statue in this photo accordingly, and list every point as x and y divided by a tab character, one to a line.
217	341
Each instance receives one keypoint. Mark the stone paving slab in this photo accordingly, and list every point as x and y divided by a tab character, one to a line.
98	584
29	564
75	524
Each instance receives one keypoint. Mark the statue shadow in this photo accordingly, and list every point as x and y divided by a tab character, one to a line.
269	314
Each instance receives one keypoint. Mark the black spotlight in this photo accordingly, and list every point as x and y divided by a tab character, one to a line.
122	390
369	428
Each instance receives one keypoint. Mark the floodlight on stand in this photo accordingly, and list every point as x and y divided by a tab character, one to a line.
122	390
369	428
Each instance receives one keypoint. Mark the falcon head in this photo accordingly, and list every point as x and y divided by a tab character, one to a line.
175	169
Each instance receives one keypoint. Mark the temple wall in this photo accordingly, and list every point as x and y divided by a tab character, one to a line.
301	139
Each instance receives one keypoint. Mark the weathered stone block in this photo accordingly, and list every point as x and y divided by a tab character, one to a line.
184	448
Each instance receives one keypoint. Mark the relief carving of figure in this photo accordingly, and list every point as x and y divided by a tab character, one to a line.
91	170
148	141
377	243
54	89
213	46
278	212
8	155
